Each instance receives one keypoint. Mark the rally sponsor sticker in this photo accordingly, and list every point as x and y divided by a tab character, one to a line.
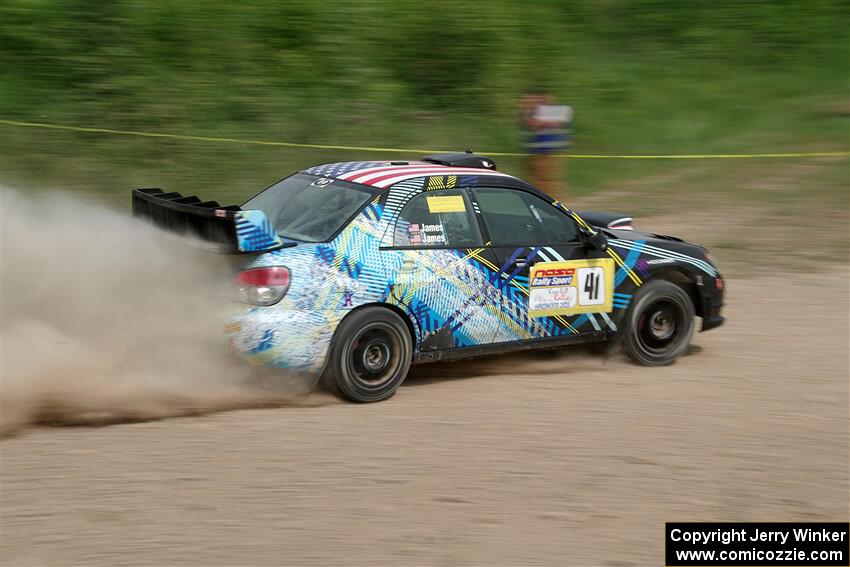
571	287
446	204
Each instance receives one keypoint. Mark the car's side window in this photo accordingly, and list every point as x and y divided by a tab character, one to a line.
514	217
435	219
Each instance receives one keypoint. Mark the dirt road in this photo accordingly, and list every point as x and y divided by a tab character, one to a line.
548	458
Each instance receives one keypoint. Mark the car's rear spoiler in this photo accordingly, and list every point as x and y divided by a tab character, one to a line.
602	219
225	229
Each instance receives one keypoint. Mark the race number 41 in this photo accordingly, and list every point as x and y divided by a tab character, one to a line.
591	285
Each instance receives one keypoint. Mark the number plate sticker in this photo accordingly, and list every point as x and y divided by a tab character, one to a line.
571	287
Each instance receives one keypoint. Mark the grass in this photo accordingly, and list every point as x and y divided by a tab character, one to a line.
660	78
108	165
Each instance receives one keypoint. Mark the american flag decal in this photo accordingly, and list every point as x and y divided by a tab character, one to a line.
383	174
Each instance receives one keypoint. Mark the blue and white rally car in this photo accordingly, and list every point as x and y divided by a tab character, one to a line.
356	270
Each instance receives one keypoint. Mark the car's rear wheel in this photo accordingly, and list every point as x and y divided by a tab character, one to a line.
659	324
370	355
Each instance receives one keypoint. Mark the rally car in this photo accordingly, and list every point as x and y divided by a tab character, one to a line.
355	270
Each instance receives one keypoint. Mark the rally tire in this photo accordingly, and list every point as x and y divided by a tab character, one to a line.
659	324
370	355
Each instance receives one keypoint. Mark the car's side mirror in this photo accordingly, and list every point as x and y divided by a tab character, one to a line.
596	240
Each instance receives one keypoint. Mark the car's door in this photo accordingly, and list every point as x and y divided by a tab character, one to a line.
443	282
552	283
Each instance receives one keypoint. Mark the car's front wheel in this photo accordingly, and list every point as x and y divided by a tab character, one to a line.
659	324
370	355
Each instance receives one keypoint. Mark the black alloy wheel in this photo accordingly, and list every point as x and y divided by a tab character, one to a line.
659	324
370	355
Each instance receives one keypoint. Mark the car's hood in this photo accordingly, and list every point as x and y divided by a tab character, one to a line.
655	239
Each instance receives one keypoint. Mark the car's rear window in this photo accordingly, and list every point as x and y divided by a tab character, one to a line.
309	208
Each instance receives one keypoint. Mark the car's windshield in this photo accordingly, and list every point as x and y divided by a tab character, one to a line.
309	208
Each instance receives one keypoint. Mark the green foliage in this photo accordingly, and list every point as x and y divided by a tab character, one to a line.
647	76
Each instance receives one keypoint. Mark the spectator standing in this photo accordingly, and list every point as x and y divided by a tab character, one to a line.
547	125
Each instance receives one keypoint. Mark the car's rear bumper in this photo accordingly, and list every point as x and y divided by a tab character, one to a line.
281	338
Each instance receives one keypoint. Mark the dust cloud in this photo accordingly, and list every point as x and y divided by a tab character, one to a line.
106	319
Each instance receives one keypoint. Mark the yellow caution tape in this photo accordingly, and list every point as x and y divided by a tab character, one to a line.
402	150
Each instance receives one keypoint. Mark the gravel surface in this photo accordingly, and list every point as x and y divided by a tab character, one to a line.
546	458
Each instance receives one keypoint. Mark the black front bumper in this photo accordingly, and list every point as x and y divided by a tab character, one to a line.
712	304
712	322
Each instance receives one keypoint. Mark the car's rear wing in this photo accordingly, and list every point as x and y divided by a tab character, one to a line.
225	229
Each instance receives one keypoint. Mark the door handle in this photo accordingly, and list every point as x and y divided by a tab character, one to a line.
521	262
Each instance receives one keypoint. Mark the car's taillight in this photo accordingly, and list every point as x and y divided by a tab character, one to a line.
262	286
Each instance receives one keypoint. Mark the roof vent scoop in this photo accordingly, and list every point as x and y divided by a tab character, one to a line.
461	159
